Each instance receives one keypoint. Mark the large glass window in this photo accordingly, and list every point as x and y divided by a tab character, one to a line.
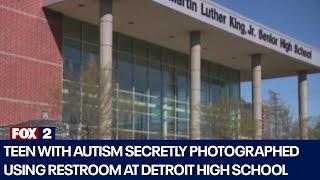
125	69
91	34
220	89
72	28
141	75
151	86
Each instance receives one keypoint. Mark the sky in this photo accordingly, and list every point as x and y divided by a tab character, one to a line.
299	19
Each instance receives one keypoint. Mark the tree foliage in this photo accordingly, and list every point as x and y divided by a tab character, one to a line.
87	106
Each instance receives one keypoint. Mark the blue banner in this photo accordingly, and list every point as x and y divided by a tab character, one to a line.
156	159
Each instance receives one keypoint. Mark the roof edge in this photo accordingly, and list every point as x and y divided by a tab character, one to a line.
214	3
50	2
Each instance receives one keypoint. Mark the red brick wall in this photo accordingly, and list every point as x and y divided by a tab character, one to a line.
30	61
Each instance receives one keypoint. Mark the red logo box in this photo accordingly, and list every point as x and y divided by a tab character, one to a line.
24	133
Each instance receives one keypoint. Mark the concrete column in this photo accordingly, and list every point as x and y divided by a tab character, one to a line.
256	95
105	98
303	105
195	53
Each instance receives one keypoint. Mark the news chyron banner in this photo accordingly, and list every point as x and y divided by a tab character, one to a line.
33	153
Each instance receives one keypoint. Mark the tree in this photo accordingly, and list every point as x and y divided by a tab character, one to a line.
222	120
280	117
247	125
87	106
314	129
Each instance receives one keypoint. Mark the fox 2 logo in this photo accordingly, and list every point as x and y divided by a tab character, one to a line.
32	133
